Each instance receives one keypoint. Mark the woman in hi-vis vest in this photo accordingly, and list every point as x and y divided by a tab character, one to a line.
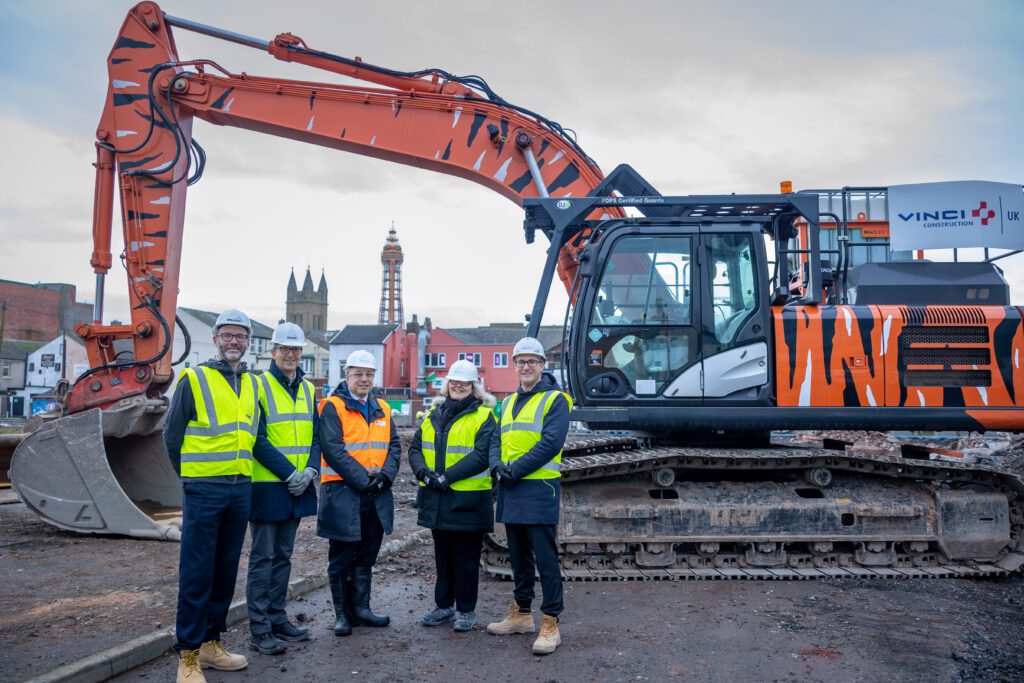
448	454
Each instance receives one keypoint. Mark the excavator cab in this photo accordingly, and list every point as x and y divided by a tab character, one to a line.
677	315
671	310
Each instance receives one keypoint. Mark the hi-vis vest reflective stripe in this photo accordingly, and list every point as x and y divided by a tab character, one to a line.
460	443
520	434
367	443
219	441
289	424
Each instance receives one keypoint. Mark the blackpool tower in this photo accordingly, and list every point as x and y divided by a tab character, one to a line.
391	281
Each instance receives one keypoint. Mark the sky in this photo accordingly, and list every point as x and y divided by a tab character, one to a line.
699	97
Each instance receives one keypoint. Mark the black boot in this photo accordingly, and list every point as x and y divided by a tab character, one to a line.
361	614
339	595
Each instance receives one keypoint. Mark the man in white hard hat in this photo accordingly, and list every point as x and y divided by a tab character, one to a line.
361	453
213	431
526	461
286	399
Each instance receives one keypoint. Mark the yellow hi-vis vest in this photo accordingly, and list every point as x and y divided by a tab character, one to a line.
219	441
461	440
289	424
523	432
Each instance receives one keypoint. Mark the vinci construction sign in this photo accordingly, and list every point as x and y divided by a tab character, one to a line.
956	215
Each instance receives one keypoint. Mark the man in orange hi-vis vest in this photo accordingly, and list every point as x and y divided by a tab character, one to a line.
360	456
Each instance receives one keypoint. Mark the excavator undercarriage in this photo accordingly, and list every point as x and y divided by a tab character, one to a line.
639	511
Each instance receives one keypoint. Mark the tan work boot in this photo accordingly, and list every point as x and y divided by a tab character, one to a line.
515	622
213	655
549	637
189	670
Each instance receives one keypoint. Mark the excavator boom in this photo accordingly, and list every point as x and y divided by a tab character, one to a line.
145	150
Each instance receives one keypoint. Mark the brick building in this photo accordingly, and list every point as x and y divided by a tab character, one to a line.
41	311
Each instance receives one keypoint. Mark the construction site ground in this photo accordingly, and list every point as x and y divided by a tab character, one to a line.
67	596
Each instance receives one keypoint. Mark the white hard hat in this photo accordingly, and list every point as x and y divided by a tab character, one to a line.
288	334
233	317
528	345
463	371
361	359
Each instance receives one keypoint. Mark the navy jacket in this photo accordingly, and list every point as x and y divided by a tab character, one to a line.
271	501
533	501
338	518
454	510
183	410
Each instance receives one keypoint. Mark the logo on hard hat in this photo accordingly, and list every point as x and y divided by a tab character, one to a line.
563	204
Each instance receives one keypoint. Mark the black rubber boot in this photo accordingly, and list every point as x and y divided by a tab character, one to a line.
361	614
339	595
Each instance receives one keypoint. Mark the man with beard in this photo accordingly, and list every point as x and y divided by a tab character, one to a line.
213	430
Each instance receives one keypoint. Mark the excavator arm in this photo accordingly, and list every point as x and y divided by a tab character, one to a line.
430	119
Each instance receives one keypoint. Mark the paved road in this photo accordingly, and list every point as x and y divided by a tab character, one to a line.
690	631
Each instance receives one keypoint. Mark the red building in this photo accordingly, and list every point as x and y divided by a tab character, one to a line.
42	311
489	348
397	352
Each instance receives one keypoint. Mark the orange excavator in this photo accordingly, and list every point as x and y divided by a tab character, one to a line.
680	329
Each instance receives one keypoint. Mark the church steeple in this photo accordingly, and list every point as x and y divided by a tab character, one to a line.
307	284
321	289
292	287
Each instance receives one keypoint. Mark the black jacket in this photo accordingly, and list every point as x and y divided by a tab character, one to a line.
271	501
338	518
183	411
454	510
533	501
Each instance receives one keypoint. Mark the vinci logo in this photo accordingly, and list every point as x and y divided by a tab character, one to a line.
953	218
984	213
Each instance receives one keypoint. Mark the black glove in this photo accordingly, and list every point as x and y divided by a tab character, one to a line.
385	483
438	482
503	475
375	486
426	474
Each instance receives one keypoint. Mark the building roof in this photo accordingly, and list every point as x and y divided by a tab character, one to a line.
504	334
321	338
210	318
362	334
14	349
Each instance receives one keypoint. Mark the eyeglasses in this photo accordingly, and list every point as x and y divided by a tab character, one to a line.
456	384
532	362
288	350
360	375
227	336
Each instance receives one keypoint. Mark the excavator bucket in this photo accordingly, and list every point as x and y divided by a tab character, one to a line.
102	472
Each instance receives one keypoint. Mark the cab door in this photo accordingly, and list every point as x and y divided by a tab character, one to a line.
736	315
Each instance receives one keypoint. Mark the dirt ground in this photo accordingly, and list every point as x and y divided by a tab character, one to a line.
836	630
67	596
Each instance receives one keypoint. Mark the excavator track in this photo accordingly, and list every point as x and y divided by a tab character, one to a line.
898	517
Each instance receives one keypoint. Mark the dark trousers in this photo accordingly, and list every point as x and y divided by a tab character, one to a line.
533	549
270	565
342	556
212	532
457	555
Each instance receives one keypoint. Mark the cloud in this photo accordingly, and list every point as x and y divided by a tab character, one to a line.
699	97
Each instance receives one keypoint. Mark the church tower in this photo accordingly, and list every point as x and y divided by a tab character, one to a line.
391	281
307	307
